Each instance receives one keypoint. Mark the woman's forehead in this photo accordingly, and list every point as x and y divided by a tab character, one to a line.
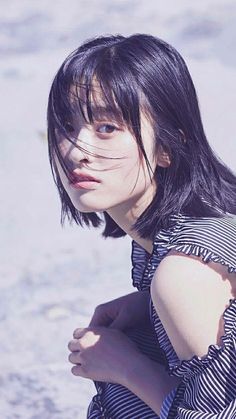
84	91
92	99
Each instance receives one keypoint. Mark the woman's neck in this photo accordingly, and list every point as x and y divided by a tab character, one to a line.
126	214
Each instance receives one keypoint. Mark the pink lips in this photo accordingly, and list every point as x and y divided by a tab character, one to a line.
82	181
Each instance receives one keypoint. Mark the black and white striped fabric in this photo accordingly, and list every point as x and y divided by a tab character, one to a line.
208	386
115	401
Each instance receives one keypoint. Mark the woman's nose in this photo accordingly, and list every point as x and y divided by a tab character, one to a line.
81	149
78	156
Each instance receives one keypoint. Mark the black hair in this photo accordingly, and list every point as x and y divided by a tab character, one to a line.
135	72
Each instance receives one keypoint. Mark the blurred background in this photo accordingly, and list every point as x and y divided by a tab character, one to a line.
53	278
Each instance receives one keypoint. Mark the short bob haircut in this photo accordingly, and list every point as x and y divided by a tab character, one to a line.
134	73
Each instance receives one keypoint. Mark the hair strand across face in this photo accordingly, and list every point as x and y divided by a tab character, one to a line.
122	77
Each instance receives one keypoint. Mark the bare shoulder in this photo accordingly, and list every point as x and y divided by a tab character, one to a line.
190	297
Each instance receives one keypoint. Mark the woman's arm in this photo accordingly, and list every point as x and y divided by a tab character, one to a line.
190	297
107	354
128	311
149	381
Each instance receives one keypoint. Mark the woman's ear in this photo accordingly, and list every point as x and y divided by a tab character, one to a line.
163	158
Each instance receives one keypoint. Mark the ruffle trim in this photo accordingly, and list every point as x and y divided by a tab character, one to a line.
197	364
139	258
205	254
171	238
96	409
165	241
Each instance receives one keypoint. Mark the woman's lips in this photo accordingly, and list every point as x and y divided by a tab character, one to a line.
83	181
81	177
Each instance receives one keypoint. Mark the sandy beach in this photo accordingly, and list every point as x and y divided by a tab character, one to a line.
53	278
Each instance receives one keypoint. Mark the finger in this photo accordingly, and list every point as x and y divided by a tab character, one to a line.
78	333
74	358
76	370
74	345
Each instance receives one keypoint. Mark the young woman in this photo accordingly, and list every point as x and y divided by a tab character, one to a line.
127	149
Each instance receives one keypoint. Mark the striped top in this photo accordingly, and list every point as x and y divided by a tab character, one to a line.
208	386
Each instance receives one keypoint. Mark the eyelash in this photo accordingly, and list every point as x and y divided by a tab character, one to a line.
68	127
111	127
97	125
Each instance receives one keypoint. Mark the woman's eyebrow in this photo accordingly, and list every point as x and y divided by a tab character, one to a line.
105	111
97	111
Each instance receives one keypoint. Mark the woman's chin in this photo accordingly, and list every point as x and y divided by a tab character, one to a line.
88	208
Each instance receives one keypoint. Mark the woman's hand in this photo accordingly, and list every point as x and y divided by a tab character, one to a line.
129	311
102	354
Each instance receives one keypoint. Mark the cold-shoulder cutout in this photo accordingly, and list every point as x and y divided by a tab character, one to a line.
181	287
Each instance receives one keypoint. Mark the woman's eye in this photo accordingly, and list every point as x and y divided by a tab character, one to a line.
106	129
68	127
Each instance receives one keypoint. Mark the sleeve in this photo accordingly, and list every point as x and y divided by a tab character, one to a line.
208	383
208	387
211	239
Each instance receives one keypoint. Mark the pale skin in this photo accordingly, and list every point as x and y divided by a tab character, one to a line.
181	287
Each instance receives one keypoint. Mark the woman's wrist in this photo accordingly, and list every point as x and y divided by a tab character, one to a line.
149	381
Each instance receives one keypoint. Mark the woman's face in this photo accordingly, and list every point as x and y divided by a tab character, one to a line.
112	157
